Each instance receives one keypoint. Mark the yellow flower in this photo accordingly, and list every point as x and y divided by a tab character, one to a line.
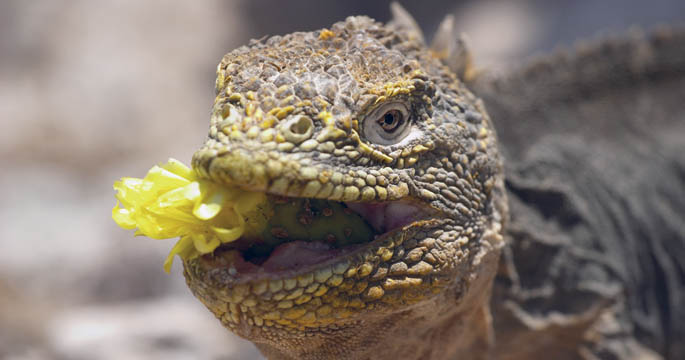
171	201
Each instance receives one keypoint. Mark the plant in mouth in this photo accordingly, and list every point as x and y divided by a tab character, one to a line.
172	201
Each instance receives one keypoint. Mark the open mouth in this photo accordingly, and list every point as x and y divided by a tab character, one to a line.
302	234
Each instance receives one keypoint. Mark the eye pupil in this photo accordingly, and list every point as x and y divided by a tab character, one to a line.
391	120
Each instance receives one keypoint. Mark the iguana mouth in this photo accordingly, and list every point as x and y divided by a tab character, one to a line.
304	234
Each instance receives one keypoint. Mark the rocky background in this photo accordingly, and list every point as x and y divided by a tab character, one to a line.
94	90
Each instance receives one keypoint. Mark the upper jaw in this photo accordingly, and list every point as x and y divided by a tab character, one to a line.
288	174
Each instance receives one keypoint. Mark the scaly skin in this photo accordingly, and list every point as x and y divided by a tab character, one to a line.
288	119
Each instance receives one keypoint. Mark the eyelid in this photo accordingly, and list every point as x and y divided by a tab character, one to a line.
401	107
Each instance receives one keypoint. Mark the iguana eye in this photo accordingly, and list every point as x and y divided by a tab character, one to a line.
388	124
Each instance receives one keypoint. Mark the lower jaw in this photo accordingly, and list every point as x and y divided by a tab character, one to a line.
330	292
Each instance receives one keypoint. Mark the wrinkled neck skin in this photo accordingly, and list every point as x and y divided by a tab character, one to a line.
447	326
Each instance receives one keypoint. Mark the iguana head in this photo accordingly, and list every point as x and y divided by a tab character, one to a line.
366	118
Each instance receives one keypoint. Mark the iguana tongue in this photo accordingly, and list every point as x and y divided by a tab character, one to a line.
296	254
289	256
386	216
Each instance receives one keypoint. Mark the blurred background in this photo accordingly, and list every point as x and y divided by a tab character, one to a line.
91	91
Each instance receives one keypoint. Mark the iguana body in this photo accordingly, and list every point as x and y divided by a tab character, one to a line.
366	114
593	146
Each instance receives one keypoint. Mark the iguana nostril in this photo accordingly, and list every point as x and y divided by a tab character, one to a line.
297	129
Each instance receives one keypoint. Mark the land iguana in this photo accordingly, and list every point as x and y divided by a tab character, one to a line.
538	214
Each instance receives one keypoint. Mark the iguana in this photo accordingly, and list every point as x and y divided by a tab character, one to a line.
538	214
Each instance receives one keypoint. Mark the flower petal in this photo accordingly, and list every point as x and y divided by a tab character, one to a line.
180	169
205	244
164	180
171	201
228	235
209	206
123	218
183	248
